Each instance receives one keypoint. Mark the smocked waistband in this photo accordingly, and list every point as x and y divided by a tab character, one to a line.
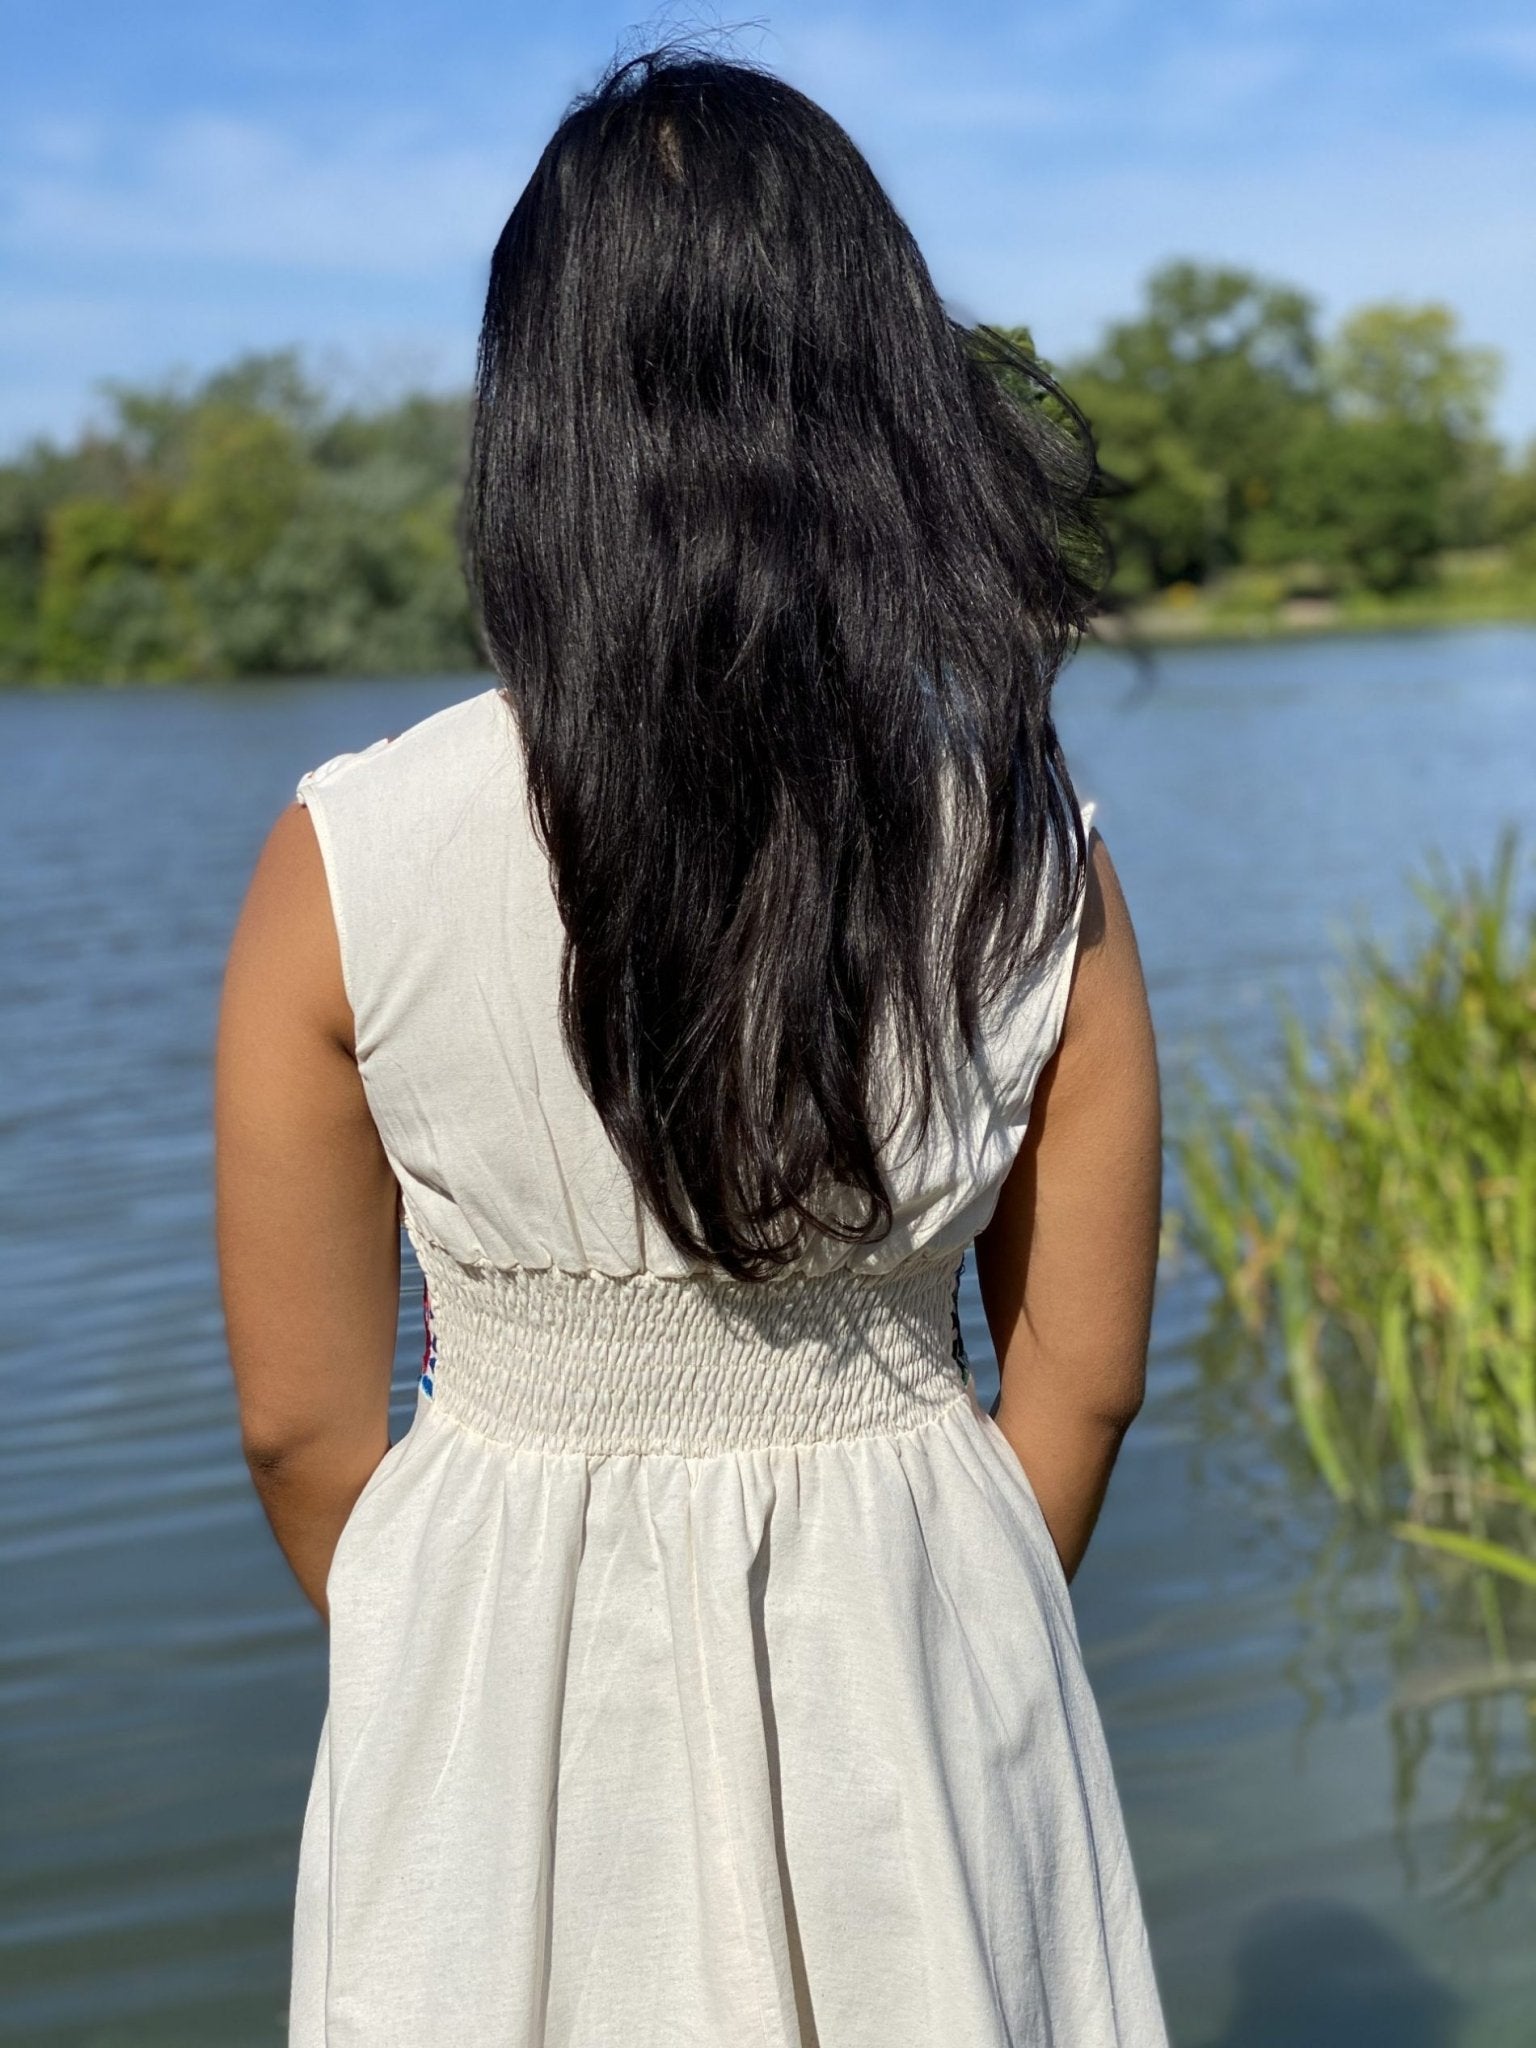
586	1362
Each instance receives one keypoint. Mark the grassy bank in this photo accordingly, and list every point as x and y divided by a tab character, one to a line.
1476	587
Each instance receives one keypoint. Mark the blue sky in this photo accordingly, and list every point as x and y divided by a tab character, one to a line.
179	182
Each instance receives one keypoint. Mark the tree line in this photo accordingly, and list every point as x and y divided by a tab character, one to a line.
247	524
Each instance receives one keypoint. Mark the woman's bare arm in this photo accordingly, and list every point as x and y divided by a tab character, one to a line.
1068	1262
307	1211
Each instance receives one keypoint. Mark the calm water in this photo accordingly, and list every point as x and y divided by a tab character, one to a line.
1325	1863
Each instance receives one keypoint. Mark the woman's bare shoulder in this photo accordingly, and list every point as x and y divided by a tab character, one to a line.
285	948
1108	1013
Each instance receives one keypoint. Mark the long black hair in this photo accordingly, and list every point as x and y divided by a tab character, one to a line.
777	564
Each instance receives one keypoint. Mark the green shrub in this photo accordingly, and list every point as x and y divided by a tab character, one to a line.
1372	1219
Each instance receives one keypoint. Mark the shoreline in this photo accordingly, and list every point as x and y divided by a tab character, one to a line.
1146	631
1191	626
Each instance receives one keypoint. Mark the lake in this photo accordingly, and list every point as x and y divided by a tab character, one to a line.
1337	1847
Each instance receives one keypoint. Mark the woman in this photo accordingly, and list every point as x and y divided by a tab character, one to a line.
702	1663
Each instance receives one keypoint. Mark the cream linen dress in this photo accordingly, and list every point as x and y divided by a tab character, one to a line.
702	1672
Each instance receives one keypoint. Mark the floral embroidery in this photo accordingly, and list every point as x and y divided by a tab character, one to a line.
429	1349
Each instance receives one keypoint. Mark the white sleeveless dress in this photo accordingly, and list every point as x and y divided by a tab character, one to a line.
702	1672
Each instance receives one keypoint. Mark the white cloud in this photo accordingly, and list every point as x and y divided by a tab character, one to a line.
1213	85
215	188
882	84
69	144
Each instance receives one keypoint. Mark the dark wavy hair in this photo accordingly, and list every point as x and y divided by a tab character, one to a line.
777	564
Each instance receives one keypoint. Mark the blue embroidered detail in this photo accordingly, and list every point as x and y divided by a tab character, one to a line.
429	1349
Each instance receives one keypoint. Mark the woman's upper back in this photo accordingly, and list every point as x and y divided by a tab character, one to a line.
451	944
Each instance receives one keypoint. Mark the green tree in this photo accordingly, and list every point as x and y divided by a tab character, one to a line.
1167	512
243	478
1408	366
241	525
1365	497
1512	515
1406	363
1401	465
41	479
1230	363
110	608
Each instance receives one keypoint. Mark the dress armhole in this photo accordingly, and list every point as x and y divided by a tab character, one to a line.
1048	1003
1061	985
310	792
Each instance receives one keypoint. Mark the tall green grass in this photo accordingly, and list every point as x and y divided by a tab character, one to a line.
1372	1219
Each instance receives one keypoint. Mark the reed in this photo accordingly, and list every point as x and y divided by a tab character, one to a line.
1371	1218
